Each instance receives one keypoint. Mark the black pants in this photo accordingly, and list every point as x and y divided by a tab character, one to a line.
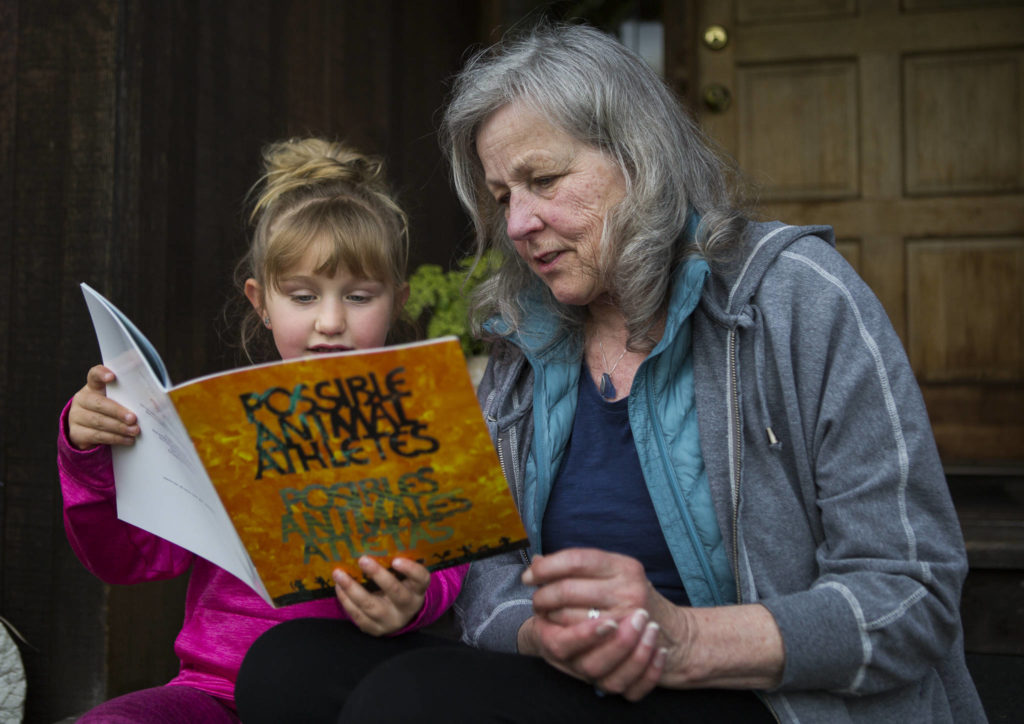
324	670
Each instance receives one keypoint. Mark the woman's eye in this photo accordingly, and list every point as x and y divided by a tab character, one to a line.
545	181
502	199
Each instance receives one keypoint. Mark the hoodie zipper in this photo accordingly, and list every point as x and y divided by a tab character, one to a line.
501	440
737	461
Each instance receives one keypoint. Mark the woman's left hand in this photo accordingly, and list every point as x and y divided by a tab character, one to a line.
390	608
623	650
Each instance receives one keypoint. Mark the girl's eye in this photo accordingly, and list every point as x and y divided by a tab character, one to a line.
359	298
302	298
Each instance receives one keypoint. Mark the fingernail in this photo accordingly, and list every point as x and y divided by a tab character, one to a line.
650	634
659	657
527	577
606	627
339	576
639	619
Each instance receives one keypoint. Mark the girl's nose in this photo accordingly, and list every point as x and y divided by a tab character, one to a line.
330	320
521	218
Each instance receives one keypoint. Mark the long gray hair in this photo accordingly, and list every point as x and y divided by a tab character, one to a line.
593	88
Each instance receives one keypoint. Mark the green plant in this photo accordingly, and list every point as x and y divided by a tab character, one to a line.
440	298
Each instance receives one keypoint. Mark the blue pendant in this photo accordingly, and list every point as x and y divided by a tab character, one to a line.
607	389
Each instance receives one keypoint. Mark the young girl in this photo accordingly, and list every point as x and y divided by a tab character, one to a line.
325	273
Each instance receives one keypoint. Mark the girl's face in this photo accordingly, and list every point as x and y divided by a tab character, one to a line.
312	313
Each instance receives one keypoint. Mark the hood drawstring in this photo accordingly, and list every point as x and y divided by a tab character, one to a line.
756	320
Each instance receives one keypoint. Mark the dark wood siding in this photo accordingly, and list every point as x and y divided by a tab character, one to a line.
129	135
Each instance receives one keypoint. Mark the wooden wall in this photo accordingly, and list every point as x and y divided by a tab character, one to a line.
129	134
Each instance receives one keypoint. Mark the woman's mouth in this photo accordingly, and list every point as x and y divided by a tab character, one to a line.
546	260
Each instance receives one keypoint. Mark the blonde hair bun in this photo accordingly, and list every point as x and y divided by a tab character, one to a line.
299	162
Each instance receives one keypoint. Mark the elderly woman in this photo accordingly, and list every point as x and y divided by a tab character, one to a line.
709	426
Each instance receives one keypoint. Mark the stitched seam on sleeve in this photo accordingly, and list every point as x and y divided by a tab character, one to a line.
900	609
865	640
890	402
791	715
495	613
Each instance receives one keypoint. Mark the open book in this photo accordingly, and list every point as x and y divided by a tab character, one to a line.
281	472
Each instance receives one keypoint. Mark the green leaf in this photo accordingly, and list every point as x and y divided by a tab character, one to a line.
439	299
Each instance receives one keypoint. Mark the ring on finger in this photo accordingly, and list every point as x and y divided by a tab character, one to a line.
593	613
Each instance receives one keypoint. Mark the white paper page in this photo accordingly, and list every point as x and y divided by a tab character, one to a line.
161	485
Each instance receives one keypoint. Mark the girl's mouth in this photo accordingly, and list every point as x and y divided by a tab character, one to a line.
328	348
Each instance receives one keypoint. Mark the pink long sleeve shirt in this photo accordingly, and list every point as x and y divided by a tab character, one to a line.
223	616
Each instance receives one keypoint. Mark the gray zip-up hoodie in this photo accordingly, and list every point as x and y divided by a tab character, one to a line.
824	478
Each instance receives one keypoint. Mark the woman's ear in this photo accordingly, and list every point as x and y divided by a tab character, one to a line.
254	293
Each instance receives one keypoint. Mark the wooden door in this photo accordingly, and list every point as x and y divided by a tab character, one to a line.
901	124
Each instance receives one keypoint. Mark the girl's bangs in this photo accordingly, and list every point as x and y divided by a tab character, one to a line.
341	235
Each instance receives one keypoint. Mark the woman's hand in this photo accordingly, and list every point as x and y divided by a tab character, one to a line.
624	659
734	647
394	605
94	419
624	649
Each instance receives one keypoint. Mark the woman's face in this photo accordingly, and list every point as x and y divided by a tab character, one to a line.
555	192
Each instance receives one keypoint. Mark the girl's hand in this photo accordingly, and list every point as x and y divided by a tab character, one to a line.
94	419
394	605
623	650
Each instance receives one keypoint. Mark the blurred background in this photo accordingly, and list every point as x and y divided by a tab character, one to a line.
130	133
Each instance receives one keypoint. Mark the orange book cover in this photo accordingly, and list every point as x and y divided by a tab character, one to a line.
281	472
321	460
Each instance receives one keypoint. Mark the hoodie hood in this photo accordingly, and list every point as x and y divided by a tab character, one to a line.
728	300
728	293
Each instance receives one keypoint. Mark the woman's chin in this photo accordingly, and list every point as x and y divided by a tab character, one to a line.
575	296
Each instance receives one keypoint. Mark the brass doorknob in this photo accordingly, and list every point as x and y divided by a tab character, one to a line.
717	98
716	37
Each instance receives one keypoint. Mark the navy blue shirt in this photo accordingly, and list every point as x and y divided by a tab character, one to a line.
599	498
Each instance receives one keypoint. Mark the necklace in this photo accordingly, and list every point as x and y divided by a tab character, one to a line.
606	388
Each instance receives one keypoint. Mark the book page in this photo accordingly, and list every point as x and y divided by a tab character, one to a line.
161	484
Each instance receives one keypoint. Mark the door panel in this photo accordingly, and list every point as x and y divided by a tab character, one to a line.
963	123
813	154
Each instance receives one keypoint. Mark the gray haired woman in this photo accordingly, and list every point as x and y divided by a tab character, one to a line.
735	506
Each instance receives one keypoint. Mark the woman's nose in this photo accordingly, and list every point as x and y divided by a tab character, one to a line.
521	218
330	320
